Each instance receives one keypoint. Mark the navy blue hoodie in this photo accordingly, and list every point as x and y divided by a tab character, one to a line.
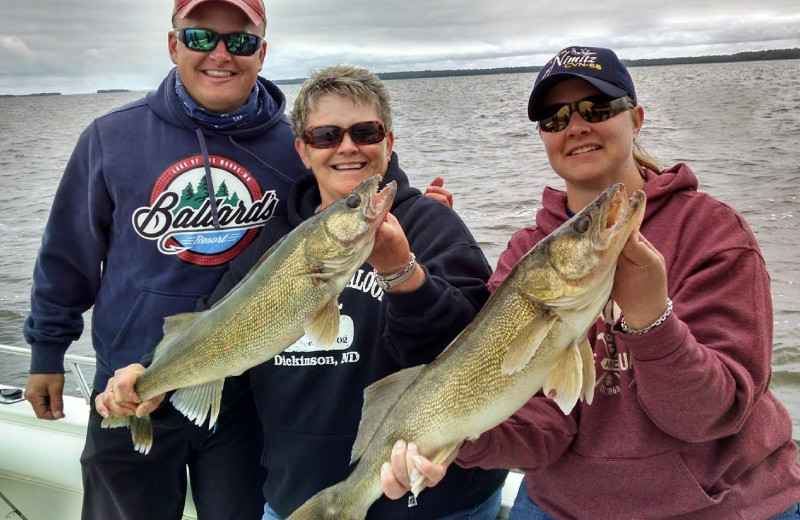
310	401
132	231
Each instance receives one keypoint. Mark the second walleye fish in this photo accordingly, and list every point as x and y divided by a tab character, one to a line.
293	289
531	334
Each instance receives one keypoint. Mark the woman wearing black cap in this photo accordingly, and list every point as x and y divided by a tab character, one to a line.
683	424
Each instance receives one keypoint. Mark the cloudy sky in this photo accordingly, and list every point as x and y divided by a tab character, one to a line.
76	46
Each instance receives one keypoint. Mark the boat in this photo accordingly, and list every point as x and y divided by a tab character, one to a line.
40	470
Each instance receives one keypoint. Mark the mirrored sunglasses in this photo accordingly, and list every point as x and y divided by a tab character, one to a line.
368	132
205	40
591	112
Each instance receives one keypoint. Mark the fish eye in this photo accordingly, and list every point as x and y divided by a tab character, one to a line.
581	224
352	201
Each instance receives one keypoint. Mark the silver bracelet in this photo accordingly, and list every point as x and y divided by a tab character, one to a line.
661	319
388	281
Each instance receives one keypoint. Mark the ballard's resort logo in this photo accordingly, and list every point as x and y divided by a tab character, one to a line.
179	216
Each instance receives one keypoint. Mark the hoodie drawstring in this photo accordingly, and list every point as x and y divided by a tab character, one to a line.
209	182
279	173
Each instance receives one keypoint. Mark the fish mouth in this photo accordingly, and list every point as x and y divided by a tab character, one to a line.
380	200
622	216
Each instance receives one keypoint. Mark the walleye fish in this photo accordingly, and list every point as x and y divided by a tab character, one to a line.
293	289
531	334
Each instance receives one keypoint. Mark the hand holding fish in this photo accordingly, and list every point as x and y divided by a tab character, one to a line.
120	398
640	282
407	467
391	253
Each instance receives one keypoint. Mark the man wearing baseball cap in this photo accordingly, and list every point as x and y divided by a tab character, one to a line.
213	137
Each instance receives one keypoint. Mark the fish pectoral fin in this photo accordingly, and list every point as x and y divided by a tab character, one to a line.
141	430
438	457
200	401
379	399
173	326
563	383
322	270
317	273
589	374
524	346
323	328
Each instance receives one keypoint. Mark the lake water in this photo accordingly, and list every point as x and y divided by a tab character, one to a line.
737	125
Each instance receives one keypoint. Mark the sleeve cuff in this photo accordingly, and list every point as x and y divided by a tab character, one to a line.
472	452
658	343
417	302
47	358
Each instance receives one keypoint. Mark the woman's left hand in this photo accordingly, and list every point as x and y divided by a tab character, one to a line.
640	282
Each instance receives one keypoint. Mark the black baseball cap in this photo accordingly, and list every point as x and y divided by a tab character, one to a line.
596	65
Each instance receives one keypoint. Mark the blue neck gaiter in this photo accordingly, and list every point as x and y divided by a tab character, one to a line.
258	101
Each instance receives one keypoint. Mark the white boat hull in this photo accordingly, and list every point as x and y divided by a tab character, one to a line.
40	470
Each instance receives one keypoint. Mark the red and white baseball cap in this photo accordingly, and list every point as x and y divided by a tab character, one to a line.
254	9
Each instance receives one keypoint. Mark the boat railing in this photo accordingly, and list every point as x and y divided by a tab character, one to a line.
74	362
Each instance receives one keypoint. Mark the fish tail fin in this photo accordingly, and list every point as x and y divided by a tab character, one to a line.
200	401
113	421
141	430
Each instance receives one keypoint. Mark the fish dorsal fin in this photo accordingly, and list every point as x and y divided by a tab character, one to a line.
563	383
524	346
173	326
200	401
252	270
438	457
589	374
323	327
379	399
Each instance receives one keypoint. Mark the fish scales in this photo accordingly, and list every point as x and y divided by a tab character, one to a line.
250	325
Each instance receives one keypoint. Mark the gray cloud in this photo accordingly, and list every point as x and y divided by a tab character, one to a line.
82	45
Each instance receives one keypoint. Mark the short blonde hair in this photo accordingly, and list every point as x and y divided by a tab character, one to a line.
349	81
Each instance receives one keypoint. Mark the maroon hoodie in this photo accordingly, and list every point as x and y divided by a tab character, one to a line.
683	424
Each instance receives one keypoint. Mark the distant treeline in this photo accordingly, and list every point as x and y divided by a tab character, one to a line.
775	54
34	94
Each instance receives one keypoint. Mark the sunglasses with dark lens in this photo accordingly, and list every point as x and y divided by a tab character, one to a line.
591	112
205	40
368	132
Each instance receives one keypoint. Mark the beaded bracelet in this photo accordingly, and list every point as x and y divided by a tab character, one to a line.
659	321
388	281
